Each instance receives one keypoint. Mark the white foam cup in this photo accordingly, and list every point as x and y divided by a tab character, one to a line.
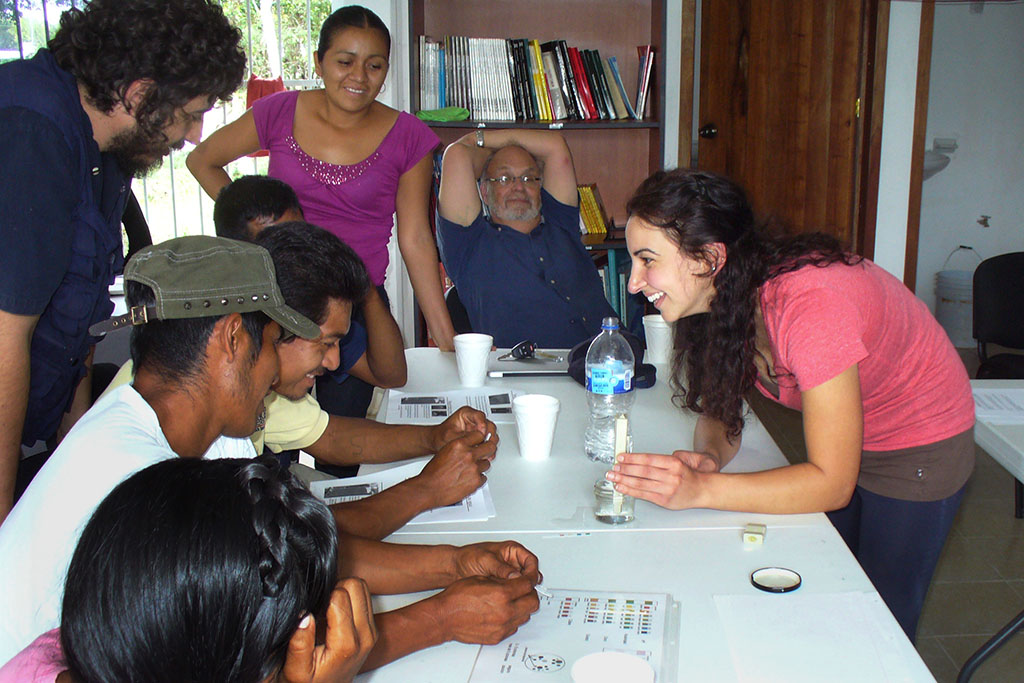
536	415
659	339
471	353
611	667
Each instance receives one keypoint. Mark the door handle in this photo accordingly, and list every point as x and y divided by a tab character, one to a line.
708	131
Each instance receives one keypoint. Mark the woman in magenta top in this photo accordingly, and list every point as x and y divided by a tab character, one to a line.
887	409
353	162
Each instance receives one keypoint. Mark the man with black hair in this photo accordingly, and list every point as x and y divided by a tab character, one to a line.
372	351
122	83
208	317
250	203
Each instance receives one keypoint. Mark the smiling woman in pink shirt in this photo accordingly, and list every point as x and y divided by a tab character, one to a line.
887	410
354	162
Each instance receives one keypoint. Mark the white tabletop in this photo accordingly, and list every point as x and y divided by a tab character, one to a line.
1004	442
557	494
834	627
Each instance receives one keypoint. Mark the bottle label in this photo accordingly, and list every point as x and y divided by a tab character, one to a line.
612	377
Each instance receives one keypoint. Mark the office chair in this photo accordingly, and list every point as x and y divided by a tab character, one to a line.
457	311
998	304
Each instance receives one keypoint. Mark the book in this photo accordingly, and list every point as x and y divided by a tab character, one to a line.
539	80
562	75
595	86
646	55
617	76
558	106
602	85
529	88
582	84
620	106
517	85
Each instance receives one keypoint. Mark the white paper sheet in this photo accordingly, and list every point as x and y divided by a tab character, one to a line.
436	407
999	406
571	624
476	507
812	637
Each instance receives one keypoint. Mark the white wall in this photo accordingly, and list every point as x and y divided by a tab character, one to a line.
976	95
897	136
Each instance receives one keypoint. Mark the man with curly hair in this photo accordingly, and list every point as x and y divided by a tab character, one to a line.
122	83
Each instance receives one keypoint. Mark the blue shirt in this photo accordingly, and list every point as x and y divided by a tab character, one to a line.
61	202
541	286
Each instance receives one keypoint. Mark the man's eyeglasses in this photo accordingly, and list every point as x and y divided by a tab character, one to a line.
509	179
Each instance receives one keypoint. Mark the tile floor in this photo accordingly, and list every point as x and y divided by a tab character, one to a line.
979	582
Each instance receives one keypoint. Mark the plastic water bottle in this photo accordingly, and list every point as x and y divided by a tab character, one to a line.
609	372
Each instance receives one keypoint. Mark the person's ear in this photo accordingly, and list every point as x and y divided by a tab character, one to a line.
317	66
716	256
135	94
230	338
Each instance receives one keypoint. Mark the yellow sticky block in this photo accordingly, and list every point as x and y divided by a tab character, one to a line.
753	535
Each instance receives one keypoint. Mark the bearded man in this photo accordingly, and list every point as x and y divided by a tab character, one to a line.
508	233
121	84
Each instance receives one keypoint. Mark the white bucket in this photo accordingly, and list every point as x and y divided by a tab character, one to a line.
954	301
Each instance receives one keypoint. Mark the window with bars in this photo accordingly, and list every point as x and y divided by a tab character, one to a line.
279	38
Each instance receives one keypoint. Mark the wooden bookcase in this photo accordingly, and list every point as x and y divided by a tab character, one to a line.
617	155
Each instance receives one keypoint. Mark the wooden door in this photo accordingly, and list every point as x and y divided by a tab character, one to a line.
779	84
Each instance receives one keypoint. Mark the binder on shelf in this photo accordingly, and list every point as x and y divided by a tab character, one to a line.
562	71
559	109
617	77
539	81
646	55
583	84
592	61
617	102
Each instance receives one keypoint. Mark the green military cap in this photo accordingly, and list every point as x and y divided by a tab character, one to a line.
202	276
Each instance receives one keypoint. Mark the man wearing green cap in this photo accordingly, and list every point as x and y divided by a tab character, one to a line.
207	315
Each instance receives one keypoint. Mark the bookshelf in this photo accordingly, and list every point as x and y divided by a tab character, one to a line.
616	155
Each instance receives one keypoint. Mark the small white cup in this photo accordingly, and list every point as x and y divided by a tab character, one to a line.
659	339
611	667
536	415
471	353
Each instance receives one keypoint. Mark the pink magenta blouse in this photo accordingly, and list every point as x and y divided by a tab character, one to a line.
356	202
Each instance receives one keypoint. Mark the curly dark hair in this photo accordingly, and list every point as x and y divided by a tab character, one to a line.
186	48
714	363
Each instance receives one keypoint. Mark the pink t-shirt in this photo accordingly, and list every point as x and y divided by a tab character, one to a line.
820	321
41	662
356	202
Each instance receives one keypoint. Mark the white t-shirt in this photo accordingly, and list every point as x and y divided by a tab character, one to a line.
119	436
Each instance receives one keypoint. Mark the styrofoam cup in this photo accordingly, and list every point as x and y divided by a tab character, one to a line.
536	415
611	667
471	353
659	339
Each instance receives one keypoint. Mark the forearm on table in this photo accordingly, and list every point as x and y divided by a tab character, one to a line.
406	630
799	488
385	351
390	568
383	513
354	441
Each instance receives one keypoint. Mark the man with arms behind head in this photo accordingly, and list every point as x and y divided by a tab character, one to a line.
122	83
516	259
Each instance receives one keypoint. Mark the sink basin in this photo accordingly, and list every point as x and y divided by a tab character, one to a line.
933	163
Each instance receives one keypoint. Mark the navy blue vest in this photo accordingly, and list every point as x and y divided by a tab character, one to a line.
61	340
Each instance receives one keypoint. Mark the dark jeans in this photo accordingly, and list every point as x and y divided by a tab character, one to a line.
350	397
898	543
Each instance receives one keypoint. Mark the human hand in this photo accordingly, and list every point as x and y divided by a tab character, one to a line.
463	420
458	469
671	481
498	559
351	634
485	610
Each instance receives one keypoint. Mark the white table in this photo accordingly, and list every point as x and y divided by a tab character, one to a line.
834	627
1005	443
557	494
